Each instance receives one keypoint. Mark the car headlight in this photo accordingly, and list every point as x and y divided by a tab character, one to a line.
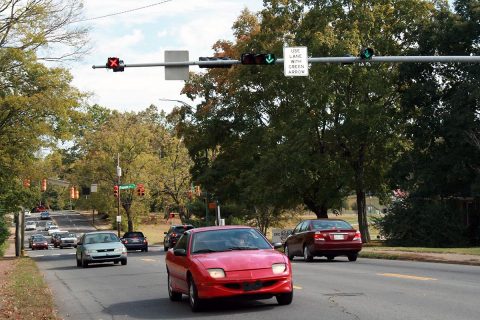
120	249
89	251
278	268
216	273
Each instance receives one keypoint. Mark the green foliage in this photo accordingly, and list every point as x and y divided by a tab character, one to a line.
424	223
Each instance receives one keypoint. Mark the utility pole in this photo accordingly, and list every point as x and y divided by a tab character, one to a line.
119	174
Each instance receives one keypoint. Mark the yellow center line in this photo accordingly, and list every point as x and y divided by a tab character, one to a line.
297	287
405	276
149	260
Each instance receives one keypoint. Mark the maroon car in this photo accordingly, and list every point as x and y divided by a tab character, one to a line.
323	237
39	243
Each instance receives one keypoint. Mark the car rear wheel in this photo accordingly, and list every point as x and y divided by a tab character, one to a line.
352	257
330	258
284	298
146	249
195	302
173	295
307	256
165	248
287	253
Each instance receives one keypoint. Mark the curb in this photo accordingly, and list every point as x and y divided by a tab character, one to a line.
411	256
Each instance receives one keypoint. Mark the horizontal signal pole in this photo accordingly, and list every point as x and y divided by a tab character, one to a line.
374	59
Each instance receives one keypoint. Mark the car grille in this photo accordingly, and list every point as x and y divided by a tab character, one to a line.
105	250
249	286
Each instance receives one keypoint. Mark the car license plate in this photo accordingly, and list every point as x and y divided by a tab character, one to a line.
338	237
250	286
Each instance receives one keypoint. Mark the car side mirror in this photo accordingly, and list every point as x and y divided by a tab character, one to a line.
180	252
277	245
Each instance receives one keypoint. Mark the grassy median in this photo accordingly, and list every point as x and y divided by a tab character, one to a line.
25	294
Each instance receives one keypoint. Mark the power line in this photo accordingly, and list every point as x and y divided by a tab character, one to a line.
122	12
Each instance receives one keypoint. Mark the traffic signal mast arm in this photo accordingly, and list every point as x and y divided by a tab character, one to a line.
345	60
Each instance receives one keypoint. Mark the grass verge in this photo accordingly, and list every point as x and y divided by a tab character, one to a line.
471	250
25	294
3	248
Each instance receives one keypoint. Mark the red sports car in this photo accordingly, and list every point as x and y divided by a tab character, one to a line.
227	261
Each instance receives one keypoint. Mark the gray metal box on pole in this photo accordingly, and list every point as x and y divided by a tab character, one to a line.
176	72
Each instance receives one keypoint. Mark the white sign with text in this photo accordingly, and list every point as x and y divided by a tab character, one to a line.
295	61
280	235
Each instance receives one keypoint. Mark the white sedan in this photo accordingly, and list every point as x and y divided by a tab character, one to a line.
52	229
30	225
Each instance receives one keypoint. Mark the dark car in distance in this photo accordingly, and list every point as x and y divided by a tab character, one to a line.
173	234
44	215
135	240
39	243
323	237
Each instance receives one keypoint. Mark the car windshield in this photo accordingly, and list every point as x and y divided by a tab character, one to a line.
133	235
68	235
182	229
39	239
330	224
101	238
228	240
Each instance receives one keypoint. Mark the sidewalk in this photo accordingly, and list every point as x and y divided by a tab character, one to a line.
453	258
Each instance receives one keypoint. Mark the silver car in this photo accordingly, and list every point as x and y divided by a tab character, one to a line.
100	246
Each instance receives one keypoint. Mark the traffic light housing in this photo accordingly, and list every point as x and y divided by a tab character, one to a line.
44	185
258	58
140	190
214	65
26	183
115	64
366	53
72	192
77	193
115	191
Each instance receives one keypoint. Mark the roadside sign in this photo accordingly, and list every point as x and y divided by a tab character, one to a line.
128	186
176	72
93	187
295	61
119	218
280	235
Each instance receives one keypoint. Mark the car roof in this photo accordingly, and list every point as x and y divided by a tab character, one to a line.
212	228
97	232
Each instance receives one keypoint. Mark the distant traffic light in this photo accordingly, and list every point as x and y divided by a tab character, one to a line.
258	58
77	193
26	183
366	53
198	191
72	192
115	191
44	185
115	64
224	65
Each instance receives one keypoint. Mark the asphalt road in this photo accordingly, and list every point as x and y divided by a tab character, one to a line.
365	289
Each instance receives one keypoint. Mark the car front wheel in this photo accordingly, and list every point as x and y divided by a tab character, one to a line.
195	302
284	298
124	262
84	263
287	253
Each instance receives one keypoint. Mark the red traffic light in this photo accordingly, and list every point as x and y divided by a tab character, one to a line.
115	64
140	190
115	191
44	185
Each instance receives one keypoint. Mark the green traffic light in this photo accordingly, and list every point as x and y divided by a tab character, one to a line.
270	58
366	53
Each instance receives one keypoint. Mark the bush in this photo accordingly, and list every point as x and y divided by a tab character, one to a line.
426	223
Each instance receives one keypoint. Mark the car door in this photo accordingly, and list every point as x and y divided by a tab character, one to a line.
179	264
293	240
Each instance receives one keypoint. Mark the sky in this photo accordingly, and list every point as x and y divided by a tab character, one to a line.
142	36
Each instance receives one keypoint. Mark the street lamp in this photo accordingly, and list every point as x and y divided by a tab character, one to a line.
179	101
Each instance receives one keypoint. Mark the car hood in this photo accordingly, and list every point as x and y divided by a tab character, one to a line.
240	259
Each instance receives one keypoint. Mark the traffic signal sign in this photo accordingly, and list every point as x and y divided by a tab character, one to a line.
115	64
366	53
224	65
115	191
258	58
44	185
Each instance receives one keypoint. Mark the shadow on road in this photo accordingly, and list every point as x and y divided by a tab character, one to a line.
165	309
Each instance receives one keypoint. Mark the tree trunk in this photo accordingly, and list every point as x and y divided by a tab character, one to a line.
321	211
360	192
